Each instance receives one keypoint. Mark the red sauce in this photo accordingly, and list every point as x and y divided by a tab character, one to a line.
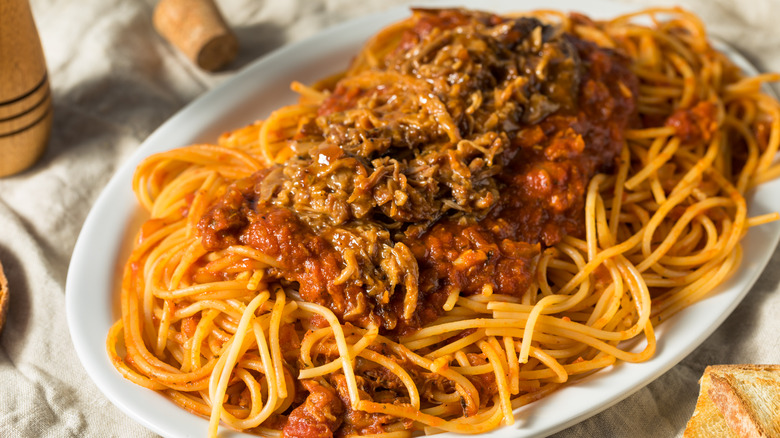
543	197
545	182
694	124
468	258
542	177
362	191
318	417
302	255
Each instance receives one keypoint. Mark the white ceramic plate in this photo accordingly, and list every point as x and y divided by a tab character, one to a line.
252	94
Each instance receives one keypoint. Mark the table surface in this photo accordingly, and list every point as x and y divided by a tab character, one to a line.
114	81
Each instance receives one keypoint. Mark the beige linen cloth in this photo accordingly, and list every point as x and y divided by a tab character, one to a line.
114	81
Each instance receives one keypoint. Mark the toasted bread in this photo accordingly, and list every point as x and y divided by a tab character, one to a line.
3	297
737	401
707	420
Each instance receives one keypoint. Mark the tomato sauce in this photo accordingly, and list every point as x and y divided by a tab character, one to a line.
550	144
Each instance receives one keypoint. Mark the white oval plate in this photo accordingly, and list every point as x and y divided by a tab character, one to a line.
252	94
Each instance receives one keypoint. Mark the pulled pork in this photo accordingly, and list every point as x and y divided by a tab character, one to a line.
446	167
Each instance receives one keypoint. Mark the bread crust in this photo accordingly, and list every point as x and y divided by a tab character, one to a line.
707	421
734	409
737	400
3	297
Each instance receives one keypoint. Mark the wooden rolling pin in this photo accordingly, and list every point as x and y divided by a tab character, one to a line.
25	98
197	28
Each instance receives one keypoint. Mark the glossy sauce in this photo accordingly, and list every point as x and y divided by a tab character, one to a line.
541	175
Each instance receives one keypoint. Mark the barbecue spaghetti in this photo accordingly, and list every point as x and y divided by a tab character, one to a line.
479	210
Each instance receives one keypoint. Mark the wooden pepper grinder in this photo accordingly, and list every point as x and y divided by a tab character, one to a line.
25	98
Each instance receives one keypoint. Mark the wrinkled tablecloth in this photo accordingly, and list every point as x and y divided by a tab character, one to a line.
115	80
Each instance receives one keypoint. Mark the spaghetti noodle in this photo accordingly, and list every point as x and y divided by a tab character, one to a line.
479	210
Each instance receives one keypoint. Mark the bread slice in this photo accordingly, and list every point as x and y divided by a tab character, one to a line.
707	420
3	297
749	398
737	401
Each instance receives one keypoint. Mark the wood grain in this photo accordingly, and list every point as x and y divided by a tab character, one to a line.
197	28
25	96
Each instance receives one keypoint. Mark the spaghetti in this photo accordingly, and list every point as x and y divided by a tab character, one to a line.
478	211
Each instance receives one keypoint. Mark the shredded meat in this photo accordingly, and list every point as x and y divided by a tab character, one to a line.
318	417
358	422
694	124
447	167
485	383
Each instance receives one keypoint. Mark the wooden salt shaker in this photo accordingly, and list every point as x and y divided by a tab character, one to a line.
25	98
